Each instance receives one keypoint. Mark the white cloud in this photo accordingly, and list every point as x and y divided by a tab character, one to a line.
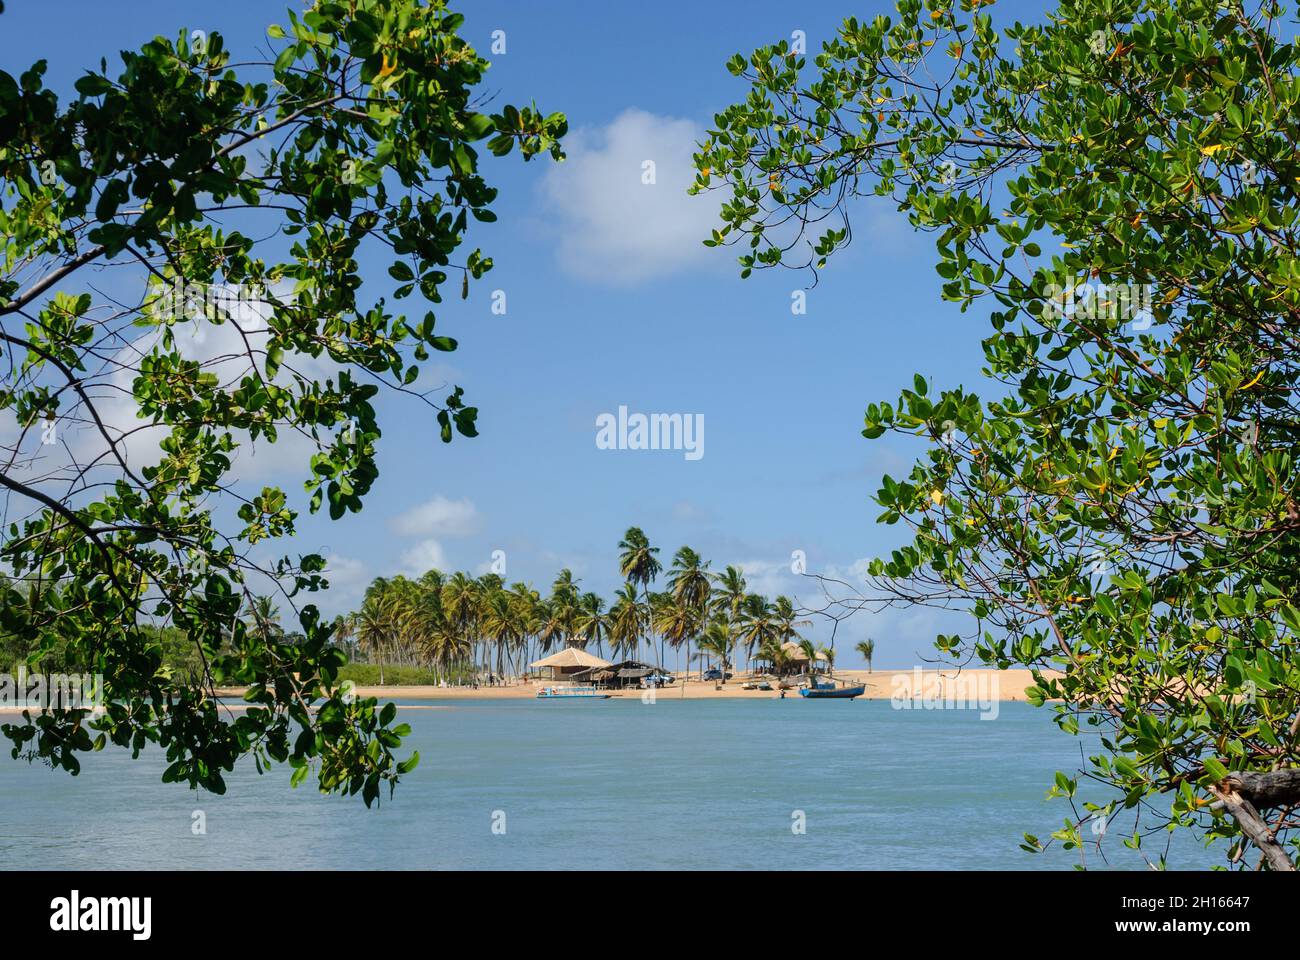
772	578
422	557
348	578
436	517
855	573
684	511
612	226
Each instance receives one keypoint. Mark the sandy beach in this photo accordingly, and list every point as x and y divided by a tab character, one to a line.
949	685
967	684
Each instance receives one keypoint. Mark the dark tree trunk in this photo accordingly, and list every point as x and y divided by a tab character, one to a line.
1243	794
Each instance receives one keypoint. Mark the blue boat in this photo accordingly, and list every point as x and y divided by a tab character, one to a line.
571	693
828	691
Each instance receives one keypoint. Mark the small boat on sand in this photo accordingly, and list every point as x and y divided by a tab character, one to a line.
828	691
571	693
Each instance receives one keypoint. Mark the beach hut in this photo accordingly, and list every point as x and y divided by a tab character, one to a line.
630	673
625	673
795	658
569	663
794	653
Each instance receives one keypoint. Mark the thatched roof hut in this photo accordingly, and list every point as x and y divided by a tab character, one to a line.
794	653
569	662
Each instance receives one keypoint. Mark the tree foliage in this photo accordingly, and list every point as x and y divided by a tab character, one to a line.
129	215
1115	189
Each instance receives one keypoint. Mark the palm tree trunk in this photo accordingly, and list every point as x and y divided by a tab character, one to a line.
649	612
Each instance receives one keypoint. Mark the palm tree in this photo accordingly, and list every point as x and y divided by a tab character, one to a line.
638	563
404	599
754	625
810	652
263	618
627	620
488	586
867	648
460	607
691	588
550	630
560	612
728	597
716	641
431	637
374	624
656	611
776	654
565	585
345	633
433	580
829	654
783	616
501	624
440	641
529	612
678	623
728	593
590	622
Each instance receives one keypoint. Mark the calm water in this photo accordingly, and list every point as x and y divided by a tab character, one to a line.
615	784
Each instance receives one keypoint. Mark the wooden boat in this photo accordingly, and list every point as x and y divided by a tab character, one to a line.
828	691
571	693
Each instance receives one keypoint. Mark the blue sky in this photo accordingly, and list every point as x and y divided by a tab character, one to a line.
612	300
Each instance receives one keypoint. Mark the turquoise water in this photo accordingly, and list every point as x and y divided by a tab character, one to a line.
613	784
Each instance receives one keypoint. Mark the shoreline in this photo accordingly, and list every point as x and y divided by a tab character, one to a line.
984	684
918	687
